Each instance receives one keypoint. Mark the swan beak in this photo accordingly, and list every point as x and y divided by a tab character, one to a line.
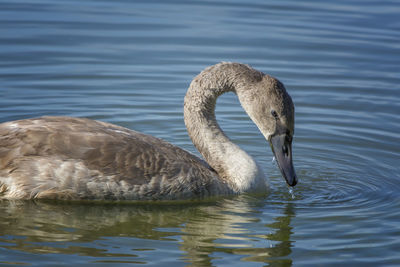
282	147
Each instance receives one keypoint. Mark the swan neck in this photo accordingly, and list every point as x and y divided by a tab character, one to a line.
233	165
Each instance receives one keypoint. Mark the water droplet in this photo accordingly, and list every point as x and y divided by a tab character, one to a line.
291	192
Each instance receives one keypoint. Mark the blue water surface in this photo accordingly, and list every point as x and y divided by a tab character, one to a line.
130	63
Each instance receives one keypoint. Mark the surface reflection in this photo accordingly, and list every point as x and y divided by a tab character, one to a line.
224	229
203	232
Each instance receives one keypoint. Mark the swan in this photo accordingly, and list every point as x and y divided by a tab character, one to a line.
78	158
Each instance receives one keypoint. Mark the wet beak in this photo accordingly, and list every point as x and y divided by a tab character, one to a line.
282	148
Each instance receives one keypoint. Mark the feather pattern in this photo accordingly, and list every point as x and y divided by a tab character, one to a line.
78	158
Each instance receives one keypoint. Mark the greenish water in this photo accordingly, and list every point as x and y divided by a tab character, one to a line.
130	62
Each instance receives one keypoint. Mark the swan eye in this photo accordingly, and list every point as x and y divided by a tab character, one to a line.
274	114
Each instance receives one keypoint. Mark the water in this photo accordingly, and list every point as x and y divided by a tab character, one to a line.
130	62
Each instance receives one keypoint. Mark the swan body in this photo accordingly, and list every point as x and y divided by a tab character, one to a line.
78	158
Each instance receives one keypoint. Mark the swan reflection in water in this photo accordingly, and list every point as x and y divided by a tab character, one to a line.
202	231
71	158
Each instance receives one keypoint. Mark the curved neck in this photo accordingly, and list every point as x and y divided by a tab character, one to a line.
233	165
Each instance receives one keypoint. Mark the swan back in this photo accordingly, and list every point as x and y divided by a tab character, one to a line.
77	158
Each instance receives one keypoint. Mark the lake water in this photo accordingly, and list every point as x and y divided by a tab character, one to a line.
130	62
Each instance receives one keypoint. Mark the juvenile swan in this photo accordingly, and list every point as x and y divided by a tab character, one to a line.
76	158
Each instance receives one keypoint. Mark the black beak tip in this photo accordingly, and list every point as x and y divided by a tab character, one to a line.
282	148
293	182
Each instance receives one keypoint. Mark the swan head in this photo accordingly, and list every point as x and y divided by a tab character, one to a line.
271	108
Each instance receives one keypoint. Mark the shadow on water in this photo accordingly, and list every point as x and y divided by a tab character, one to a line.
201	233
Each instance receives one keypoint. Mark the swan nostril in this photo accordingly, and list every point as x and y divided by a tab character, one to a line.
285	150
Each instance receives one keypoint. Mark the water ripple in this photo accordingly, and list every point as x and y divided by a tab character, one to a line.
130	62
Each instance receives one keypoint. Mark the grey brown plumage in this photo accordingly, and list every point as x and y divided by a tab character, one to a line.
77	158
62	154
